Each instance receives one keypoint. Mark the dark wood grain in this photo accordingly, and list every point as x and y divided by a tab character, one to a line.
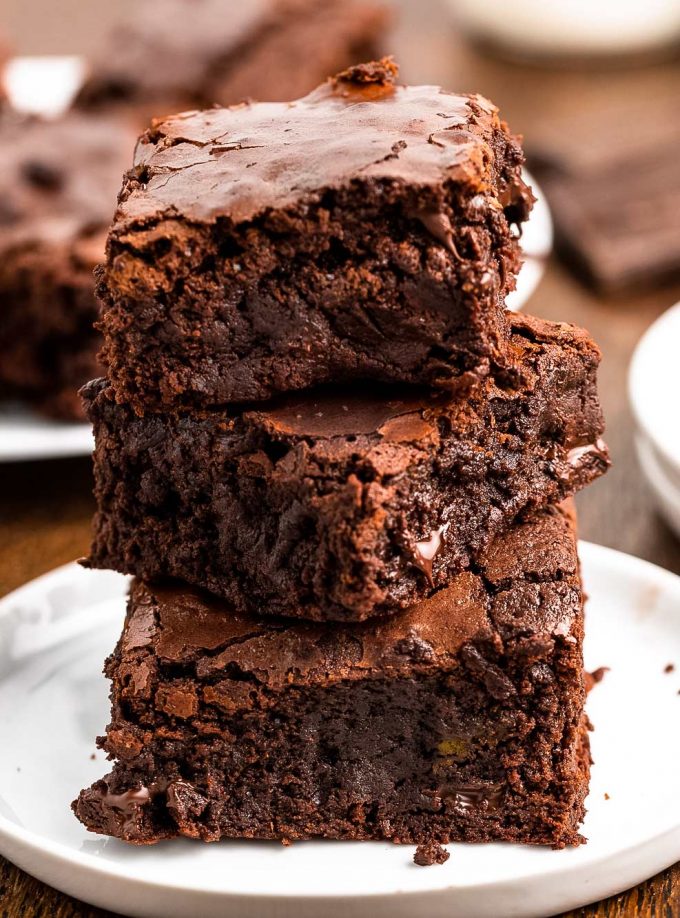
45	507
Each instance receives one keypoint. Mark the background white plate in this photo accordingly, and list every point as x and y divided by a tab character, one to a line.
653	387
46	85
26	435
54	635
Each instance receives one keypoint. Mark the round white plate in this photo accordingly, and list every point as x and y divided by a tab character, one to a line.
665	488
536	243
653	386
54	635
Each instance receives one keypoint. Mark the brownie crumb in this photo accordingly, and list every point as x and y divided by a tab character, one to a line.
596	676
606	796
669	668
430	853
383	71
93	757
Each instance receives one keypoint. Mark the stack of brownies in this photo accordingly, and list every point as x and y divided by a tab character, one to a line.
337	469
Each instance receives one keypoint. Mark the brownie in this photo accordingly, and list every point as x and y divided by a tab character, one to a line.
172	55
366	231
616	242
58	183
460	719
343	504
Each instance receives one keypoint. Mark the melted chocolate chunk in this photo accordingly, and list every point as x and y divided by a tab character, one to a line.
470	796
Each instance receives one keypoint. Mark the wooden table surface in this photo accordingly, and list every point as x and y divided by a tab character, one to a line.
45	506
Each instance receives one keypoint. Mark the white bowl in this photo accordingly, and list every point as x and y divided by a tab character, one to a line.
654	392
572	28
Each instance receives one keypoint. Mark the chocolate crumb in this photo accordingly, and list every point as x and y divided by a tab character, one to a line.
596	676
606	796
93	757
430	853
383	71
669	668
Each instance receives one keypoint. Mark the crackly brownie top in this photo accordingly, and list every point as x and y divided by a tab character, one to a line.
182	626
59	179
170	47
359	126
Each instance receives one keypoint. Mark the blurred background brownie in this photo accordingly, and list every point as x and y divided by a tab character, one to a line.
173	55
344	504
366	231
616	198
459	720
58	183
4	56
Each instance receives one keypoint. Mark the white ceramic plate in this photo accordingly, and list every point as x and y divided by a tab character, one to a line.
536	242
46	85
665	488
653	387
54	635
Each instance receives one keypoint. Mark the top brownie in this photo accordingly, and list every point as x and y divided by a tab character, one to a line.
170	55
363	232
